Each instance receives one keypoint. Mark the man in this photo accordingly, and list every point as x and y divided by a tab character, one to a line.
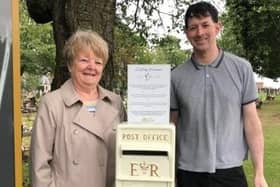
213	106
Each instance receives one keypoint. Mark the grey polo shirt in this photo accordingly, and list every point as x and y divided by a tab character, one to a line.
209	98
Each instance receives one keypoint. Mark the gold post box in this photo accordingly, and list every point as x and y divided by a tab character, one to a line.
145	155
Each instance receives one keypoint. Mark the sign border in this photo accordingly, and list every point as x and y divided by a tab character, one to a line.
16	94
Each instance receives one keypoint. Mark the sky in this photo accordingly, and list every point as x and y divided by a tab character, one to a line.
5	13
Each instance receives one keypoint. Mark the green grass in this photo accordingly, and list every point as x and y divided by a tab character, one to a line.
27	120
26	180
270	117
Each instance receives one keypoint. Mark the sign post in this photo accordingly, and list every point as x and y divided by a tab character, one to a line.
10	118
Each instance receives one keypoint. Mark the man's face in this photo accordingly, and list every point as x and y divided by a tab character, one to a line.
202	32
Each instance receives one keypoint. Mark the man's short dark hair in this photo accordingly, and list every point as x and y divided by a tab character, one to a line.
201	9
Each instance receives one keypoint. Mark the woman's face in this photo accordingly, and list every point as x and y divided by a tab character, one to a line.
86	69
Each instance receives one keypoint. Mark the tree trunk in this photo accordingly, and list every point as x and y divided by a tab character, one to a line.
67	17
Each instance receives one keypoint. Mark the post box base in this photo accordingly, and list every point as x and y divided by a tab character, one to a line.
142	183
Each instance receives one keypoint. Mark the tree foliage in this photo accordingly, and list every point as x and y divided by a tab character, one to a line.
168	51
142	15
128	46
70	15
131	48
254	27
37	45
66	17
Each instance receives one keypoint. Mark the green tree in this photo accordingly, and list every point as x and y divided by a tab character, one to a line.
37	45
66	17
131	48
228	40
128	47
256	27
69	15
168	51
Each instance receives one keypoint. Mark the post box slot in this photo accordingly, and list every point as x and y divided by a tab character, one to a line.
145	153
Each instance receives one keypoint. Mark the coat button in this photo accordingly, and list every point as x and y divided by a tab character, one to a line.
75	162
75	131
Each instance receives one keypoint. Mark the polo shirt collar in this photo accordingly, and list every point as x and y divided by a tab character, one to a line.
70	96
215	64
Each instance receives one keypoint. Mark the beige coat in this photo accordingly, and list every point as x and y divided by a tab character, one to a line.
72	147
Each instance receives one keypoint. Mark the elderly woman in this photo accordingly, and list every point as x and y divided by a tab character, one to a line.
74	132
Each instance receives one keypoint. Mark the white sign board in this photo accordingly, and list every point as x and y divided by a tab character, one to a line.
148	93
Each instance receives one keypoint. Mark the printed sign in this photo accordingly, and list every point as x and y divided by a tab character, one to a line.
148	93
